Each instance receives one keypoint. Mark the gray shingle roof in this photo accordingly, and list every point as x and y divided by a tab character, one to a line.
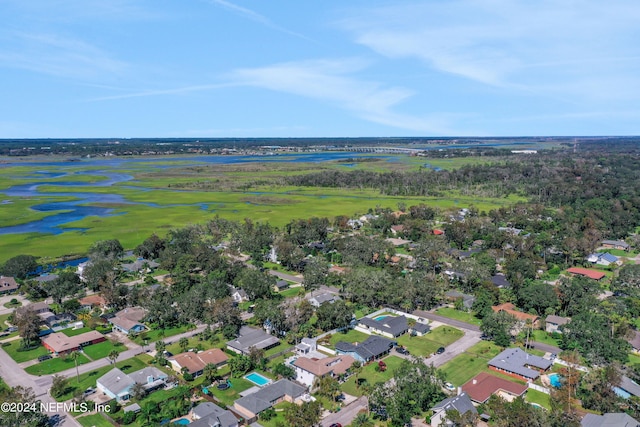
374	346
557	320
390	324
116	381
609	420
252	337
268	395
516	360
210	414
422	328
630	386
615	243
461	403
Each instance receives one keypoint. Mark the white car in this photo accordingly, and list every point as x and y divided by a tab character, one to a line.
449	386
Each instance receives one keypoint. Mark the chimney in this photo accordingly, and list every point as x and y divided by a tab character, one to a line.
475	381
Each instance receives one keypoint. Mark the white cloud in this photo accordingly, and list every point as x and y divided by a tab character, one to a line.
513	44
331	81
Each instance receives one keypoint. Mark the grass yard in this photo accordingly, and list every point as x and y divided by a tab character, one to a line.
426	345
634	359
351	336
292	292
229	395
544	337
3	319
542	399
71	332
372	376
12	349
94	420
462	368
100	350
462	316
161	334
55	365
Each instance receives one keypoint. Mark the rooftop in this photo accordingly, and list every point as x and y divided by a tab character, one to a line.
517	361
483	385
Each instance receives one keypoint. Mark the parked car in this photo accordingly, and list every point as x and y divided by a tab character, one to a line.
402	350
449	386
336	425
440	350
44	357
89	391
12	329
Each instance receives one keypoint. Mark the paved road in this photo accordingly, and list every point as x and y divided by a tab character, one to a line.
287	277
468	326
347	413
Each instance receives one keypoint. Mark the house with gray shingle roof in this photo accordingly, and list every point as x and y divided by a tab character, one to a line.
318	300
283	390
554	322
519	364
116	384
372	348
609	420
461	403
8	285
208	414
252	337
389	326
615	244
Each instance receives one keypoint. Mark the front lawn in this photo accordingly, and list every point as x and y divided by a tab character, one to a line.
427	344
463	316
161	334
55	365
462	368
292	292
545	338
372	376
351	336
13	349
102	349
94	420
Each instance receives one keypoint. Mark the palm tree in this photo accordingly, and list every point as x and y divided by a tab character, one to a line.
75	355
113	355
183	343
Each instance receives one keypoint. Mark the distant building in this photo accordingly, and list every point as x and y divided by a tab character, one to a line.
554	322
252	337
318	300
58	343
460	403
519	364
585	272
609	420
603	258
615	244
8	285
521	317
208	414
467	300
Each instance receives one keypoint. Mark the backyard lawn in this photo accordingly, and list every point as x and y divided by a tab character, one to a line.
462	316
544	337
229	395
100	350
372	376
12	349
535	396
426	345
161	334
351	336
55	365
70	332
292	292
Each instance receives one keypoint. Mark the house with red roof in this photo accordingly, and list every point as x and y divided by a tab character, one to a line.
481	387
585	272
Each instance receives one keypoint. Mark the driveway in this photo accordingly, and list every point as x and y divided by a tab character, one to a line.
347	413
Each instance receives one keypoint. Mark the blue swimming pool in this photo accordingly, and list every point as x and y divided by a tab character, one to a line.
554	379
381	317
182	422
257	379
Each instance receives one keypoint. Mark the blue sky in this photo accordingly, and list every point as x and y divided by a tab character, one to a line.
249	68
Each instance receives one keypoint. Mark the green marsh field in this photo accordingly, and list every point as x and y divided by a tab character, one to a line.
167	193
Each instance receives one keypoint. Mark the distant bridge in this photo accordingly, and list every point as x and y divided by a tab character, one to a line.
400	150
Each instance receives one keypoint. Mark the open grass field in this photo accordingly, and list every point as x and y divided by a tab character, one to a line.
55	365
372	376
13	349
463	316
102	349
185	193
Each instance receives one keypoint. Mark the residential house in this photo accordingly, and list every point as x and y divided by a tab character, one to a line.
194	363
306	346
615	244
635	342
467	300
437	232
609	420
239	295
252	337
45	278
129	320
281	285
419	329
481	387
58	343
395	229
37	307
603	258
208	414
117	385
585	272
374	347
627	388
8	285
318	300
397	242
141	264
388	326
92	301
519	364
554	322
308	370
461	403
264	398
500	281
521	317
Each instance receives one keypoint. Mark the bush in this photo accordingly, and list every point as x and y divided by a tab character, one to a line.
129	417
267	414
